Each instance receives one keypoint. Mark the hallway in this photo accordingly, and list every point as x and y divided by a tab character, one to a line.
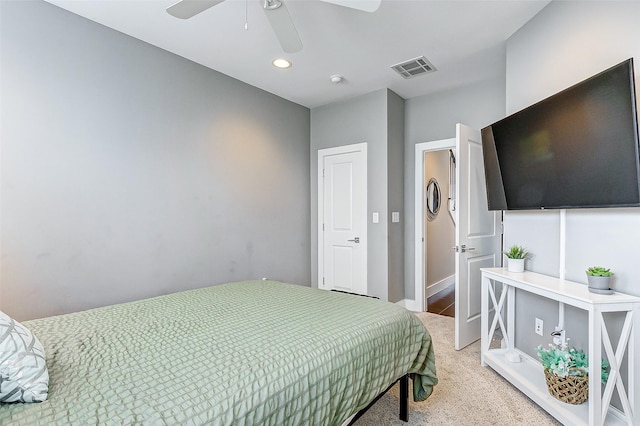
443	302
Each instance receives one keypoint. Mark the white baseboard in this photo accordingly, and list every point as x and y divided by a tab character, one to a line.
410	304
416	306
440	285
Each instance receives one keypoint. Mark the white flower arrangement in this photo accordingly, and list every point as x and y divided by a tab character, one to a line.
564	361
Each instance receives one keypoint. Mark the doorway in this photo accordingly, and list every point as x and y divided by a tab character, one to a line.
477	230
439	224
422	292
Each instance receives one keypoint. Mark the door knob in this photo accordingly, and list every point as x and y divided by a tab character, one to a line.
355	240
463	248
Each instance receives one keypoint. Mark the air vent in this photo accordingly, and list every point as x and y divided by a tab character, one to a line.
414	67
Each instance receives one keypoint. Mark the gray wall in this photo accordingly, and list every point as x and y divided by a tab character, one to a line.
562	45
130	172
372	118
440	259
395	182
434	117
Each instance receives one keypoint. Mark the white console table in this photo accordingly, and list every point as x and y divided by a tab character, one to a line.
528	375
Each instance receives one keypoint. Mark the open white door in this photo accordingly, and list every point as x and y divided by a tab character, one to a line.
342	218
478	234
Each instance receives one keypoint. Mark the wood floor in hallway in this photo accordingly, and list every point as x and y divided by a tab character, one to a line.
443	302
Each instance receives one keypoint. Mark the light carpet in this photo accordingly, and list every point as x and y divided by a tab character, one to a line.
467	393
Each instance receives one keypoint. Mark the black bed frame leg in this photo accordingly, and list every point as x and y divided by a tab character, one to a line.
403	382
404	398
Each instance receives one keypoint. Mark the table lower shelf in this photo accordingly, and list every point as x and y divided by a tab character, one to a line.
528	376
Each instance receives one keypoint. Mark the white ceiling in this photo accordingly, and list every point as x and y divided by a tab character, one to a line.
464	40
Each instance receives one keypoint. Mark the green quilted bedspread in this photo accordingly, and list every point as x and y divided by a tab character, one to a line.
249	353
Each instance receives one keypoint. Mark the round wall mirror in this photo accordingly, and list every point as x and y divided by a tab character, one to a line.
433	199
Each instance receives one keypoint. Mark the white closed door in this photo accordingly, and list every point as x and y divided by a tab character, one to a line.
478	235
342	218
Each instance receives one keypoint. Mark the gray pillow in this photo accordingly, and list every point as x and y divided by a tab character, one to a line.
23	370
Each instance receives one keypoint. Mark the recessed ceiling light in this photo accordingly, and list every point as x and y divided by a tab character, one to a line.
281	63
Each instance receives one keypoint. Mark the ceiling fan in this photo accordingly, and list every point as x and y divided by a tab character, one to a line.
276	12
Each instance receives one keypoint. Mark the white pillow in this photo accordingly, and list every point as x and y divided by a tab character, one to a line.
23	370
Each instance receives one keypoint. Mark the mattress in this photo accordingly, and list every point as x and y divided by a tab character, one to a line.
247	353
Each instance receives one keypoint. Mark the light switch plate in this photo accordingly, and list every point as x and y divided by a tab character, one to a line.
376	217
395	216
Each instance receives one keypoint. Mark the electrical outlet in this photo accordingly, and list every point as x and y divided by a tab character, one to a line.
539	326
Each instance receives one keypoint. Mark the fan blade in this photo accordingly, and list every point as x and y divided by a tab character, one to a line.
284	28
185	9
363	5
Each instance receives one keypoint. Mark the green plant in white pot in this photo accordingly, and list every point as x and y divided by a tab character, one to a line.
599	279
516	255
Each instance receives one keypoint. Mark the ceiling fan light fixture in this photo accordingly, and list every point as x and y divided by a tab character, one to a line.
281	63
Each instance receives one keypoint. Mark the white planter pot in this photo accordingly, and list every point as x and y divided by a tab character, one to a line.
599	284
515	265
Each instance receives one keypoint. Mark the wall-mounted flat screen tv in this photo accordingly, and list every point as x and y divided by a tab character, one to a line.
575	149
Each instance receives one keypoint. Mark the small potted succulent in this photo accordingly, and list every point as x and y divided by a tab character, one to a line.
516	255
599	279
566	372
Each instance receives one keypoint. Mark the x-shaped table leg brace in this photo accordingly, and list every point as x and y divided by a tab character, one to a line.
498	312
615	360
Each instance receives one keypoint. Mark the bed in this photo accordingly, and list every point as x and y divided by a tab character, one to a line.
246	353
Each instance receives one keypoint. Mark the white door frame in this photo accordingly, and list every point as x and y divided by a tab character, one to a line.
362	147
419	303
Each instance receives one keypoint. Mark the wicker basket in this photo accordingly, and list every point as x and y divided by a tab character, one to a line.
569	389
